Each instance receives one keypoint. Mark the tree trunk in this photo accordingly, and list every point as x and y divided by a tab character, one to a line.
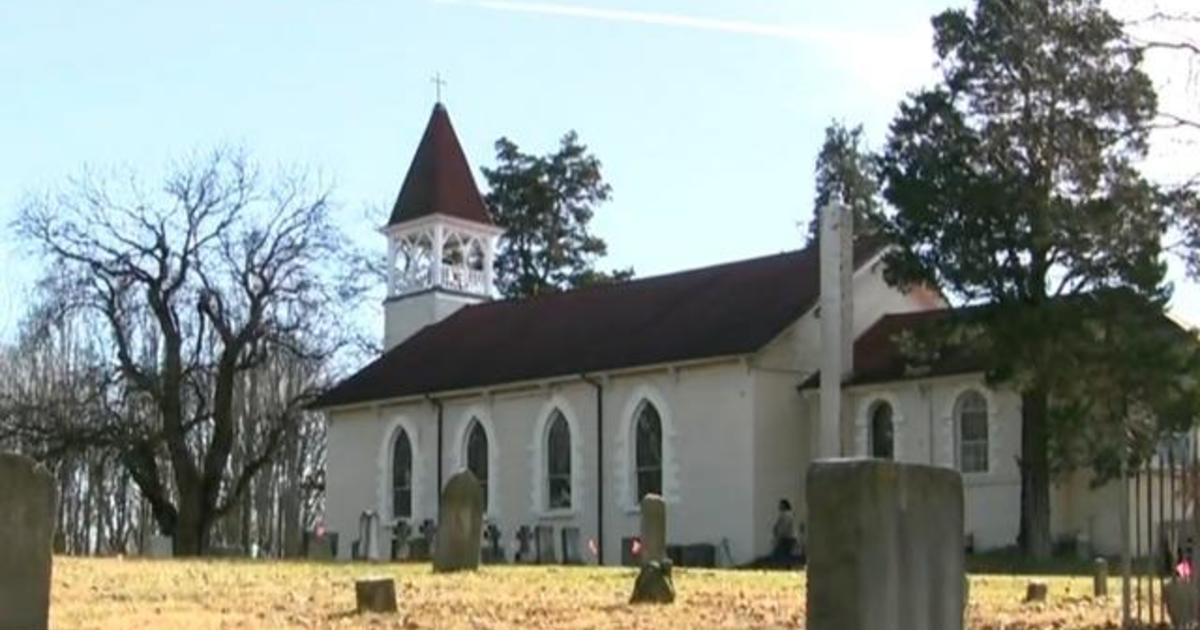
1034	536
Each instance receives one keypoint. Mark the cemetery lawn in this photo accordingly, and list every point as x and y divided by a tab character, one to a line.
196	595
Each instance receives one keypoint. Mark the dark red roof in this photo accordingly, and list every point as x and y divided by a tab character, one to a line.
879	357
880	354
725	310
439	179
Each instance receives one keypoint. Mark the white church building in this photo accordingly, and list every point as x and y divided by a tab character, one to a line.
700	385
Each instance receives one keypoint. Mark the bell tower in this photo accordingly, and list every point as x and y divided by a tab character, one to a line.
441	238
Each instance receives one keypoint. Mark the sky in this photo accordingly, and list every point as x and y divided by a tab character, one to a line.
707	115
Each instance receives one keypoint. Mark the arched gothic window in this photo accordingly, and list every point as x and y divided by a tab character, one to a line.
648	456
402	467
971	416
477	456
882	435
558	462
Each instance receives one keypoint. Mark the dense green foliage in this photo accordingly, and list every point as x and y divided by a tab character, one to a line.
845	171
1015	182
545	204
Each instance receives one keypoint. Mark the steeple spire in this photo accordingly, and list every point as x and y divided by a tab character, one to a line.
439	180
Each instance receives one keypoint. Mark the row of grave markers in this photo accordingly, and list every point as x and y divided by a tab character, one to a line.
886	549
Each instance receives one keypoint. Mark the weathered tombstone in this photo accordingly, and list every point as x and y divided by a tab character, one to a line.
524	550
1036	591
885	546
543	537
572	548
401	533
460	524
422	548
27	519
654	529
160	546
492	551
1182	603
375	594
367	545
1100	578
654	583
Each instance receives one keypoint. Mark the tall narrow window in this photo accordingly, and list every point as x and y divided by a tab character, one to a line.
477	457
402	476
972	416
882	434
648	464
558	463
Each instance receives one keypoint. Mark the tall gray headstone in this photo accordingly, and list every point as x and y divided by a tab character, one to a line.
885	546
27	519
654	529
460	525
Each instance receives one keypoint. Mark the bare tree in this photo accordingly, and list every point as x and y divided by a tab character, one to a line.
197	285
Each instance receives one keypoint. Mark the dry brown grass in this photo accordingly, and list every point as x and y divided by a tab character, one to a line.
196	595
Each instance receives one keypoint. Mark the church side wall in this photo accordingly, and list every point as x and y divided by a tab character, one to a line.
784	418
925	433
358	468
707	442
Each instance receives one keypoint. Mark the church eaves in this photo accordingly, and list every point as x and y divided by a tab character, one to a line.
439	180
721	311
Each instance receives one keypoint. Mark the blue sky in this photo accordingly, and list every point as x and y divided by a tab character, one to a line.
707	115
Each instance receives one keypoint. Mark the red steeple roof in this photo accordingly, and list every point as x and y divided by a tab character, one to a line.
439	179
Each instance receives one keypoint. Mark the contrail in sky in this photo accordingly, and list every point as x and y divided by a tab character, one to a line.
761	29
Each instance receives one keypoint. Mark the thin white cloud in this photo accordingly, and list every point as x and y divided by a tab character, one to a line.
887	63
761	29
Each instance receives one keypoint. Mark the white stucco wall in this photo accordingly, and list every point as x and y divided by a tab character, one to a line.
925	432
785	419
707	476
403	318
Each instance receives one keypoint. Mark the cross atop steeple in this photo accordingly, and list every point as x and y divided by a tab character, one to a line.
438	83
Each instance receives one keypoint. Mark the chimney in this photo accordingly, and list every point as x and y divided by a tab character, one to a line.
837	310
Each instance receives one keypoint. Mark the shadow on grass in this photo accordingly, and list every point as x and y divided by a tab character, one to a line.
1012	562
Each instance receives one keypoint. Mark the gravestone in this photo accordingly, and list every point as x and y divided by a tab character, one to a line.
1182	603
367	545
885	546
401	534
543	538
320	544
460	525
375	594
524	549
422	548
27	500
654	529
160	546
1036	591
572	548
654	584
1100	578
492	551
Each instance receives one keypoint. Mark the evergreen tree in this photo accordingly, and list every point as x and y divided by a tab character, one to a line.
846	172
1015	182
546	204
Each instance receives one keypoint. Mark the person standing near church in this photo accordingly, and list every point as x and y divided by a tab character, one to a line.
784	533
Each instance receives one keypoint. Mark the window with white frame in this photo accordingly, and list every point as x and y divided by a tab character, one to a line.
477	456
971	416
881	436
648	450
402	468
558	462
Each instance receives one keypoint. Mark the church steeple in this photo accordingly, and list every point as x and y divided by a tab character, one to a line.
439	180
441	238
